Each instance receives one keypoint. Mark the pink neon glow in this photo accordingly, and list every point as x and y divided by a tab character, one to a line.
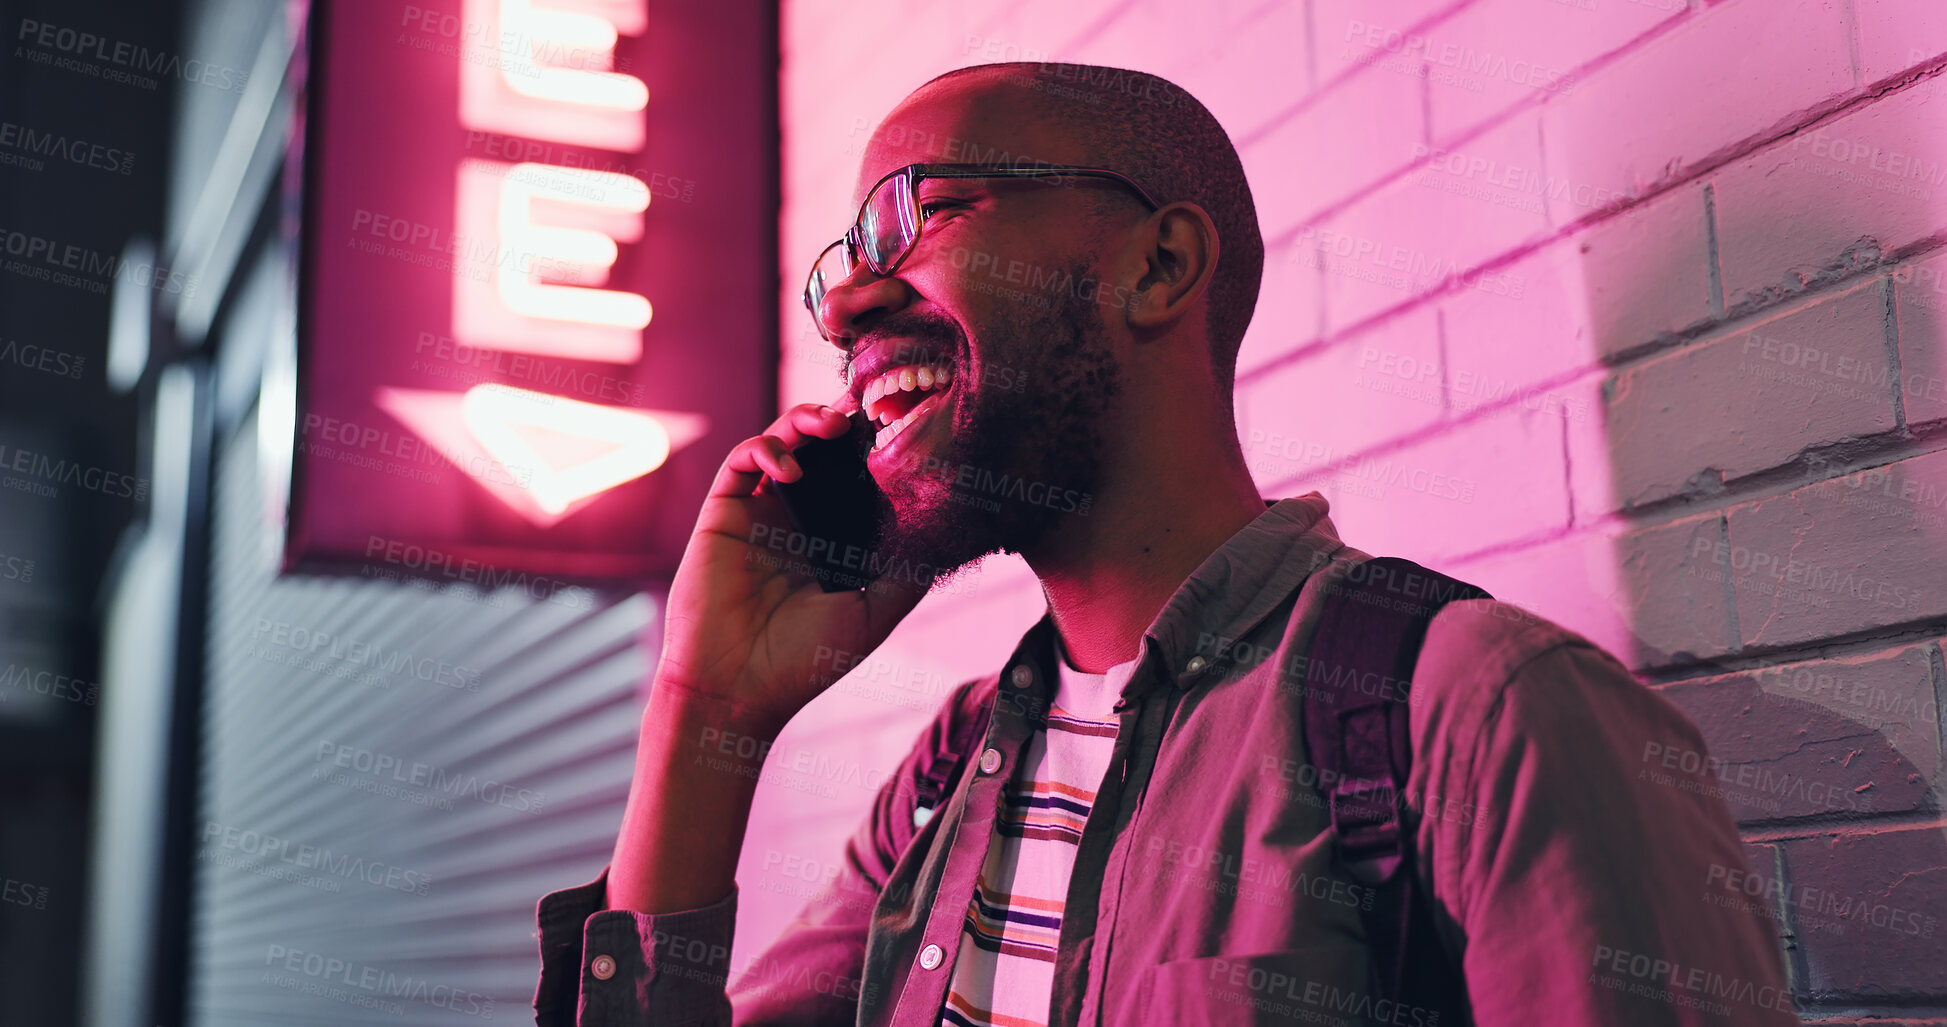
579	248
556	231
563	471
630	17
523	304
544	456
545	73
580	37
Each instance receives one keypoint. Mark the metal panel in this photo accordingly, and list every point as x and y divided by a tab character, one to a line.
393	773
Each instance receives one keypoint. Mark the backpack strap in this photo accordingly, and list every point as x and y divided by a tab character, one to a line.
1358	730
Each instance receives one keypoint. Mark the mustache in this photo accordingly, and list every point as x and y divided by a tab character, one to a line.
921	337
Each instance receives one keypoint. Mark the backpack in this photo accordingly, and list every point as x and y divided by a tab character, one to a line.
1374	621
1360	743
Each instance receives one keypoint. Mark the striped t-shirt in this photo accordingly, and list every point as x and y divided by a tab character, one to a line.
1003	973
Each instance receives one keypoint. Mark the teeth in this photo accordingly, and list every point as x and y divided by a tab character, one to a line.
892	431
907	378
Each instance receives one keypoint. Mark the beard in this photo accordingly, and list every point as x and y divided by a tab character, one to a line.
1029	432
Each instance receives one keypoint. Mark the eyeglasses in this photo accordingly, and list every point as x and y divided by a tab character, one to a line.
890	221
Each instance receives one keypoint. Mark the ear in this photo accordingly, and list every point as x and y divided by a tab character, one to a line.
1180	257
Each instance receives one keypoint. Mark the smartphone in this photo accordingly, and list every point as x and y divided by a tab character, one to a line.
837	507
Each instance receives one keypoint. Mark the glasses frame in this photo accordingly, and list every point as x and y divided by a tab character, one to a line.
854	238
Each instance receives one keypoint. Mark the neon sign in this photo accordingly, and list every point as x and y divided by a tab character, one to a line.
485	173
594	210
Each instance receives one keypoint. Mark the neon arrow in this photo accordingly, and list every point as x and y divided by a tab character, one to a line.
544	456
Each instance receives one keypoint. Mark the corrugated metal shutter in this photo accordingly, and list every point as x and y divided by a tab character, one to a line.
392	775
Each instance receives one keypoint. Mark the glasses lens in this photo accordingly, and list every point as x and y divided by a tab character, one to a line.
832	267
889	222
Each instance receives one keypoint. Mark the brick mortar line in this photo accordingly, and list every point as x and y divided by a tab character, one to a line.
1312	481
1484	126
1734	629
1426	108
1721	320
1937	678
1440	350
1763	832
1797	973
1311	58
1433	430
1872	1011
1889	323
1703	167
1852	645
1847	271
1861	453
1713	261
1096	27
1318	92
1849	14
1568	474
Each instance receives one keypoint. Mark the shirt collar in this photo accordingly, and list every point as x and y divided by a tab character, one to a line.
1234	589
1239	584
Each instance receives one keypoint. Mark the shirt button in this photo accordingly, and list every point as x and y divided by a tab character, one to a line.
990	761
1196	664
1022	675
603	967
930	956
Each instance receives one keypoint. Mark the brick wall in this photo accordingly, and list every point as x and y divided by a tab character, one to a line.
1628	310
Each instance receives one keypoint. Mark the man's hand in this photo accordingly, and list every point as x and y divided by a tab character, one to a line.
740	643
742	630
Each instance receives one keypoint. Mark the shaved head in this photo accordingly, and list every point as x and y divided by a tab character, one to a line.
1150	129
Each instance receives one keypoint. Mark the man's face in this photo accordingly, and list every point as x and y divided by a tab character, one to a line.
997	293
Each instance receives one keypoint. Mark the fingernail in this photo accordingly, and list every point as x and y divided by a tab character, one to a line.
823	409
790	463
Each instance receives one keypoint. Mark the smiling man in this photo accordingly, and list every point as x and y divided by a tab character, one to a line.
1040	303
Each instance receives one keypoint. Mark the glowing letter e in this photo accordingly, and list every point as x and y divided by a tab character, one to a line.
545	73
554	232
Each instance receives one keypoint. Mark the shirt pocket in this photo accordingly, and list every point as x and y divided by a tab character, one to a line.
1320	984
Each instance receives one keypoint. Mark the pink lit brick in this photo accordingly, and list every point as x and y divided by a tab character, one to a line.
1637	595
1362	391
1895	35
1861	730
1734	71
1461	209
1733	405
1920	310
1591	465
1287	307
1271	40
1497	53
1869	182
1863	905
1486	483
1852	553
1350	136
1523	323
1647	271
1346	32
1064	30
